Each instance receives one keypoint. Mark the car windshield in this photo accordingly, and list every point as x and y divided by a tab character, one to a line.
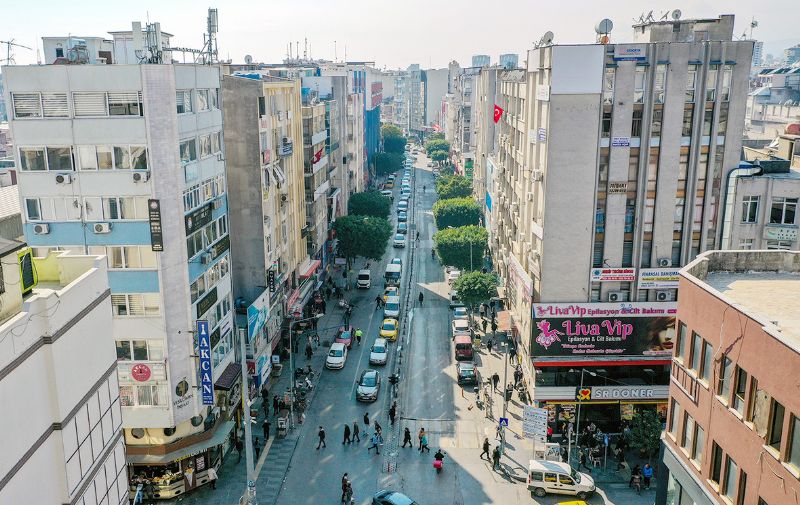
363	276
369	380
345	335
469	372
392	306
576	476
336	353
378	349
399	236
388	326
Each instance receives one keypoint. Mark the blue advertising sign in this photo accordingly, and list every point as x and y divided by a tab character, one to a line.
206	374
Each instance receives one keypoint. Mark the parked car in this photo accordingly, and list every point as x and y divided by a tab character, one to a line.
369	385
387	193
452	275
460	327
558	478
344	335
467	373
379	352
399	240
386	497
390	291
402	228
396	261
460	313
402	217
389	184
337	355
455	301
463	347
392	307
402	206
389	329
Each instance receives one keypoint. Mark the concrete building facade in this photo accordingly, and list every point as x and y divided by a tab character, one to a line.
435	83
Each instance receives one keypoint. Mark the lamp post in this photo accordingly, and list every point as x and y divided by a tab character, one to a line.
505	397
250	465
291	364
578	424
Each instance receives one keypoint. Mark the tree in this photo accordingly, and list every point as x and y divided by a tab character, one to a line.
645	432
436	136
370	203
437	145
388	163
475	287
439	155
364	236
393	139
462	247
456	212
453	186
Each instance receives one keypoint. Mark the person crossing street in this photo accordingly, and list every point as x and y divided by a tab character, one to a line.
321	435
359	334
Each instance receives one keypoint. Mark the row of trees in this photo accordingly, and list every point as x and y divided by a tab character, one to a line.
390	160
366	230
437	148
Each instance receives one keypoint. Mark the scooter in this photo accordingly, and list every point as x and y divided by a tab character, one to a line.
438	461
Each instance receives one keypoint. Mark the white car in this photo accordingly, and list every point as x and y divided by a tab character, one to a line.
430	164
399	240
452	275
337	355
460	313
392	307
378	353
460	327
387	193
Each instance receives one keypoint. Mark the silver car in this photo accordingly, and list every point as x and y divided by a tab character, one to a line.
368	386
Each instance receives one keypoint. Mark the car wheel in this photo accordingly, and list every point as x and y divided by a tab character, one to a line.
540	492
582	495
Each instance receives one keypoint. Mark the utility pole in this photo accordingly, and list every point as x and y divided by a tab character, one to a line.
505	397
250	493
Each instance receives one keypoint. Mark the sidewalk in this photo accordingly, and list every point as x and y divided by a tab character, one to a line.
276	454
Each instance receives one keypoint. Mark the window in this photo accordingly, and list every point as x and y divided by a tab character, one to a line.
742	491
725	93
205	146
537	476
188	151
550	477
655	126
59	158
779	245
33	209
724	382
636	125
146	304
696	350
680	348
708	355
32	158
105	157
639	84
213	98
127	256
140	350
740	389
688	115
26	105
696	454
660	83
674	418
716	463
183	99
731	472
202	100
775	432
55	105
783	210
125	207
605	126
89	104
691	80
138	158
746	244
688	433
122	157
793	454
708	120
125	104
565	479
216	142
750	209
711	83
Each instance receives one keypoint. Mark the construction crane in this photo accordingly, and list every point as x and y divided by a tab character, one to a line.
9	59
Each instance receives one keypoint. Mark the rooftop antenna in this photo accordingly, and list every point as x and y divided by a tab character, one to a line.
753	24
664	16
602	29
335	52
546	40
9	59
676	14
305	48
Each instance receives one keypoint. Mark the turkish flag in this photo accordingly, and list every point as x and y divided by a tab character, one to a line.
498	112
317	156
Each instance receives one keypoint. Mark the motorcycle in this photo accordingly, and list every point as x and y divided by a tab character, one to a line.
438	461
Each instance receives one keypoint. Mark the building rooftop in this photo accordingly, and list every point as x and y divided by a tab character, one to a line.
762	284
9	201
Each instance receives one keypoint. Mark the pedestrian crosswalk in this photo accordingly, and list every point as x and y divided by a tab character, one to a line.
446	434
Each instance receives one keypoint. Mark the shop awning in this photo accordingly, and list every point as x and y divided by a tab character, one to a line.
229	376
308	268
222	432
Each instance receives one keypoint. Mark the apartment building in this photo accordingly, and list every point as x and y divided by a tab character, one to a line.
414	95
317	184
465	131
127	161
605	180
62	439
733	434
435	83
262	118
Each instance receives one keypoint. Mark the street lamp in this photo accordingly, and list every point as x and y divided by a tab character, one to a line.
578	424
505	397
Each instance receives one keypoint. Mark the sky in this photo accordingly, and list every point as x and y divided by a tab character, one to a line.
393	34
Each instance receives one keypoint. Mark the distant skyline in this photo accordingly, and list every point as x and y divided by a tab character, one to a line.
393	34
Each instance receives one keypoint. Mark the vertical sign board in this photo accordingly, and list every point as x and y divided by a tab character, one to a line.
206	375
154	215
534	423
271	280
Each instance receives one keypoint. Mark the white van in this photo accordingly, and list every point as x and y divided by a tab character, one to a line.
364	279
392	307
558	478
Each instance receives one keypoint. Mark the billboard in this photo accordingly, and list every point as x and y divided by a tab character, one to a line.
659	278
603	329
257	314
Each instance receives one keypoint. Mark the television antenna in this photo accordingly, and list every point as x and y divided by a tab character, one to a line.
9	59
753	24
676	14
546	40
602	29
248	59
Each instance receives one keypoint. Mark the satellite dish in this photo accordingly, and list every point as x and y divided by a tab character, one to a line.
248	59
547	38
604	27
676	14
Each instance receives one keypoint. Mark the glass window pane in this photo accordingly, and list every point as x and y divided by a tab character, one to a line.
140	349
697	350
32	207
148	257
794	448
724	389
122	158
115	259
59	158
132	257
776	426
138	158
104	158
708	355
731	472
32	158
124	350
88	157
699	442
155	350
739	396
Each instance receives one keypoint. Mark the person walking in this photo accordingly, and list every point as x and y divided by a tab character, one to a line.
495	380
275	405
378	302
378	428
346	434
359	334
309	351
356	438
483	324
637	470
421	298
375	441
257	447
419	437
366	423
407	438
647	473
517	376
345	483
425	444
212	477
489	345
239	448
321	435
496	458
392	412
265	427
583	461
486	447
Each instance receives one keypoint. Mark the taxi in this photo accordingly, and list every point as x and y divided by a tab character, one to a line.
389	329
390	291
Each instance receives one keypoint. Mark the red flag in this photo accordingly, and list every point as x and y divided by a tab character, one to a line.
317	156
498	112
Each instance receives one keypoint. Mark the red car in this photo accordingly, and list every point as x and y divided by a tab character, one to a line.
345	336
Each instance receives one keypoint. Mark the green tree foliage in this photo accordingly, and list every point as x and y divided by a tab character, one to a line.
453	186
453	246
437	145
370	203
436	136
456	212
645	432
364	236
393	139
388	163
439	155
475	287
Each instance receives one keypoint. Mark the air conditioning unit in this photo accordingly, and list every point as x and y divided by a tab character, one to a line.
617	296
63	178
206	258
538	175
41	229
101	228
141	176
664	296
664	262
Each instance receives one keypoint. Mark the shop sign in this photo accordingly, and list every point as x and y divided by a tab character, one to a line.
603	329
271	280
543	92
618	188
141	372
221	246
263	368
659	278
206	374
588	393
340	261
156	233
621	274
207	302
620	141
541	134
628	53
534	423
773	232
198	219
257	314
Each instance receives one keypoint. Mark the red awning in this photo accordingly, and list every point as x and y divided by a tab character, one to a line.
309	268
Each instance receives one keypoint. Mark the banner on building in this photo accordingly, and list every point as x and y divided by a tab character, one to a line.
206	374
156	233
622	274
257	314
659	278
620	141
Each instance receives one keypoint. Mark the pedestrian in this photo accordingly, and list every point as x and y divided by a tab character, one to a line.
275	404
265	427
637	470
321	435
421	297
496	458
486	447
346	434
483	324
620	458
239	448
356	438
309	351
549	433
392	412
345	483
375	441
425	443
366	423
647	473
378	428
495	380
257	447
489	344
407	438
419	436
583	461
212	477
378	302
348	494
359	334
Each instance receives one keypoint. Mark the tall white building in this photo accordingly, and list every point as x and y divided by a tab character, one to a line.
62	440
127	161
